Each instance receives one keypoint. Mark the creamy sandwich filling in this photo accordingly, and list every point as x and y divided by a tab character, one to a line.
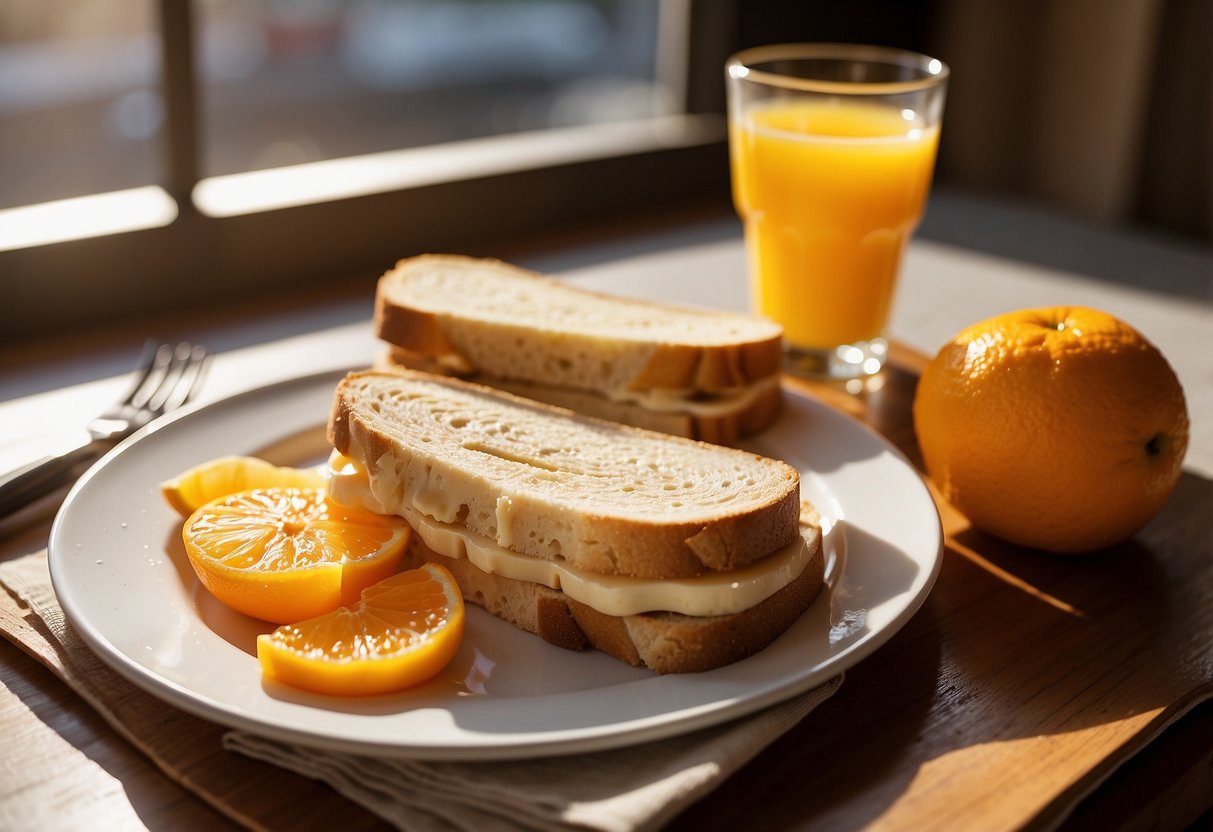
695	402
703	595
700	403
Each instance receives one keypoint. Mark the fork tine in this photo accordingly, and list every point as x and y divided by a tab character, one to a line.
193	364
203	366
156	378
181	378
149	360
195	373
169	368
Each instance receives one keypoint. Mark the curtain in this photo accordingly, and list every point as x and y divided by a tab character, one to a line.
1102	108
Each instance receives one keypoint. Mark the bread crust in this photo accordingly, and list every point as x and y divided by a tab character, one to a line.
491	347
616	543
665	642
708	368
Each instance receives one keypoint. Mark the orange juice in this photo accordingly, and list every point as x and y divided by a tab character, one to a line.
830	192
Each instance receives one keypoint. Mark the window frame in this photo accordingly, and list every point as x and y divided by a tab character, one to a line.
182	244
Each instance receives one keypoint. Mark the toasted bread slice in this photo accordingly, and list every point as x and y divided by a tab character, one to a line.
722	422
665	642
486	317
550	483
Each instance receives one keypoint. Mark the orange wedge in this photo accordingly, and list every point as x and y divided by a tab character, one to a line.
403	631
190	490
286	554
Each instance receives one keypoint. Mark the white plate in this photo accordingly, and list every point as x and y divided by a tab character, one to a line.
120	572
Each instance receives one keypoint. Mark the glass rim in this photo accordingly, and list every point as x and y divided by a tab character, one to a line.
740	67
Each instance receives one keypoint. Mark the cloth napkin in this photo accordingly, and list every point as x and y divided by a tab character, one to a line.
635	788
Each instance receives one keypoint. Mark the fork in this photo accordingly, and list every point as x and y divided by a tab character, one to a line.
166	377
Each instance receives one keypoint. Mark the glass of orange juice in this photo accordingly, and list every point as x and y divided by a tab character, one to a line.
832	148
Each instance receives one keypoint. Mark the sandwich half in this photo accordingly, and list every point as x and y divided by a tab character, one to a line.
699	373
664	552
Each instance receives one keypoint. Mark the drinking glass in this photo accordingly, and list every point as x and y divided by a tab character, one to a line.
832	148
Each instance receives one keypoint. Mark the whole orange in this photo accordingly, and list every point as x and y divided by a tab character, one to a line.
1061	429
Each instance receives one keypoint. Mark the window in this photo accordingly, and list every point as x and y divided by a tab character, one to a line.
287	83
79	111
180	151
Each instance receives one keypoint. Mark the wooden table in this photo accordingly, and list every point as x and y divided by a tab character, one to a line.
1022	684
1029	692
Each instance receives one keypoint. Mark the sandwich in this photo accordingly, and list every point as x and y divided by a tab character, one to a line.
704	374
664	552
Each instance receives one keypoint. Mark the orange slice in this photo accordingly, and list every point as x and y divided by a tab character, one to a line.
403	631
189	491
286	554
